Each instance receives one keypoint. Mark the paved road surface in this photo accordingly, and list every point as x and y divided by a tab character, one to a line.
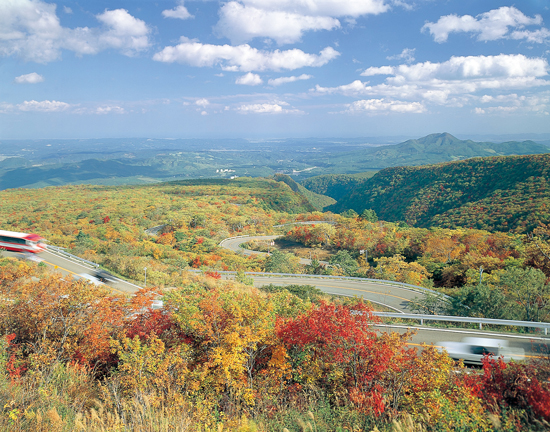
68	267
394	297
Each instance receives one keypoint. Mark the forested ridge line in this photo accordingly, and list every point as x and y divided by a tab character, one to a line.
505	193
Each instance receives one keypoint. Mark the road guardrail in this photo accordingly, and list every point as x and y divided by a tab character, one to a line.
480	321
61	251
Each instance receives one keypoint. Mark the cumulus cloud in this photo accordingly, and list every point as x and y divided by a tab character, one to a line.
31	30
335	8
179	12
242	24
374	106
470	67
493	25
250	79
285	80
202	102
43	106
383	70
286	20
242	57
122	31
31	78
407	55
513	102
455	82
267	108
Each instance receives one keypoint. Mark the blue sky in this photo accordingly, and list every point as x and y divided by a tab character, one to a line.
273	68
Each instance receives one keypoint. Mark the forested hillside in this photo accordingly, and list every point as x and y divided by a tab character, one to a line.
495	193
335	185
317	200
108	224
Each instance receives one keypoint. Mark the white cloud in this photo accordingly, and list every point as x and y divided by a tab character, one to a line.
286	20
404	4
471	67
489	26
202	102
30	30
407	54
266	108
31	78
6	108
261	108
383	70
43	106
285	80
67	10
243	23
179	12
110	109
537	36
250	79
124	32
385	106
513	103
335	8
455	82
242	57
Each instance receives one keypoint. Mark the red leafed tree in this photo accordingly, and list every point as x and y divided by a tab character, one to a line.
515	385
342	351
157	322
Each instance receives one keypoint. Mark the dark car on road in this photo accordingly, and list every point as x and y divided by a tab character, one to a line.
104	276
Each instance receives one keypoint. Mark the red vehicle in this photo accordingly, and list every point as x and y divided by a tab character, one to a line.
21	242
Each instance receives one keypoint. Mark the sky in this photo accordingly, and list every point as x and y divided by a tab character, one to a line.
263	69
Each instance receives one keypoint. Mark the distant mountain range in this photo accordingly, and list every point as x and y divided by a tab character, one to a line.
135	161
434	148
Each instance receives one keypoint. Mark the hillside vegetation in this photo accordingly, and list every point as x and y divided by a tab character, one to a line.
495	193
318	201
221	356
108	224
335	185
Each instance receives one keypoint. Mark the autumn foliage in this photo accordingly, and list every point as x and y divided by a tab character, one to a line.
216	346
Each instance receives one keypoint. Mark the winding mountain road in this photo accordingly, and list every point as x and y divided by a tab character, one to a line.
393	297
